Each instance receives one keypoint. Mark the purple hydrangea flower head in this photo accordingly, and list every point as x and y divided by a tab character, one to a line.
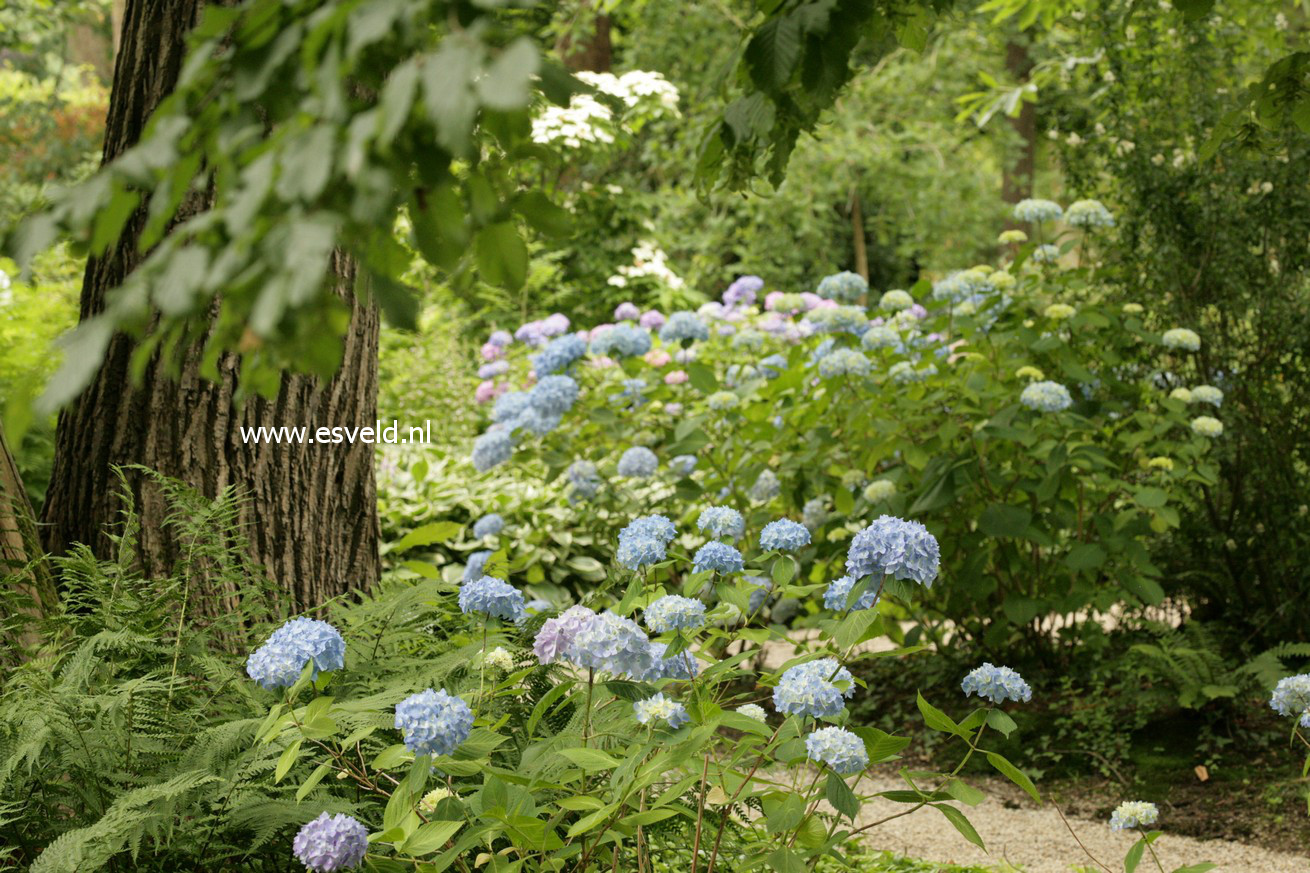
493	369
652	319
555	324
743	290
627	311
674	612
719	557
894	547
330	843
811	689
557	634
500	338
784	535
433	722
842	751
279	661
492	597
997	684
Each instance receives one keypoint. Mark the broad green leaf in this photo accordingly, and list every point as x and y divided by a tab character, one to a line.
286	760
841	797
437	532
961	823
1014	774
590	759
431	837
314	778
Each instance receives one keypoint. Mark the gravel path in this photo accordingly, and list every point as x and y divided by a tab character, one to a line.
1034	840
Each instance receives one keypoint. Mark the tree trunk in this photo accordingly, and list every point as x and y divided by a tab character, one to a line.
1017	182
857	235
594	53
19	545
310	511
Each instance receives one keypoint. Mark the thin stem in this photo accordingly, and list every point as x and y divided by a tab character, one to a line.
700	815
1151	849
1074	834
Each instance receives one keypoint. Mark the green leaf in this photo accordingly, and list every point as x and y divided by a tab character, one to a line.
1085	556
1134	856
1014	774
853	627
785	815
1003	520
1193	10
1001	722
437	532
590	759
702	378
1203	867
507	83
544	216
936	719
286	760
314	778
964	792
1151	497
783	570
502	255
587	822
431	837
957	818
787	861
841	797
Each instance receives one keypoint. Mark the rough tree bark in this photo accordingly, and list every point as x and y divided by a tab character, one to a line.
594	53
19	545
1017	181
310	514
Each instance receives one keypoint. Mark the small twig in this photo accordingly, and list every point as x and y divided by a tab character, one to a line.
1073	834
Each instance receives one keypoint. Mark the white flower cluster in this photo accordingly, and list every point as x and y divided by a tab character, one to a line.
6	292
648	260
587	120
635	86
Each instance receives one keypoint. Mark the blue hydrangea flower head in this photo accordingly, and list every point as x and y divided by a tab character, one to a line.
492	449
640	551
510	406
492	597
684	326
474	566
1035	210
721	521
839	591
489	525
330	843
1088	213
1182	339
683	465
812	689
278	662
632	395
1133	814
753	710
997	684
750	339
845	286
674	612
1291	698
772	366
719	557
838	319
500	338
614	644
660	708
842	751
555	639
657	526
683	665
763	587
493	369
785	535
621	341
896	300
553	395
584	480
638	462
844	362
880	336
766	487
1046	396
815	512
559	354
895	547
433	722
742	291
